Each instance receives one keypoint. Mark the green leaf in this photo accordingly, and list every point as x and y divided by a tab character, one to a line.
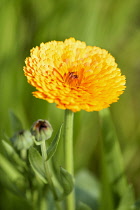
12	154
83	206
66	181
16	124
36	162
114	179
127	201
9	169
13	185
112	153
53	146
87	189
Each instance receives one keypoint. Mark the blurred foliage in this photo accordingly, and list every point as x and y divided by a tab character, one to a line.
113	25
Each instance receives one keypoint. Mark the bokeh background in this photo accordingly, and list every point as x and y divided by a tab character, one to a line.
113	25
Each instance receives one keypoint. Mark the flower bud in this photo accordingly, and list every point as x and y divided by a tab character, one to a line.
22	140
41	130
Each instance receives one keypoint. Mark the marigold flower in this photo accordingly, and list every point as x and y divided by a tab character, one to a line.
23	139
41	130
74	76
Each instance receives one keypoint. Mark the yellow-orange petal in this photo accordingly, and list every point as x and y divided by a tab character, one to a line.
74	76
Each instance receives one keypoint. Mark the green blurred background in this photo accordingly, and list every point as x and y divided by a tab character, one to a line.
113	25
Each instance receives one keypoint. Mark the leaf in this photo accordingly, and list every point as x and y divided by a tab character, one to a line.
127	201
36	162
13	185
66	181
114	179
112	153
53	146
87	189
9	169
16	124
83	206
12	154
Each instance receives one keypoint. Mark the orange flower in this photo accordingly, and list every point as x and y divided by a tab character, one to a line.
74	76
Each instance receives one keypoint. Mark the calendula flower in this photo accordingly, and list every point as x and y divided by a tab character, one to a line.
74	76
41	130
22	140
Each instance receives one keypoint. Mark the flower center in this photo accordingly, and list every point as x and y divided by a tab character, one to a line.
72	79
41	125
72	75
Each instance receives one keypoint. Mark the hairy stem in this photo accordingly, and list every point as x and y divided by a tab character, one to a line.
68	151
48	175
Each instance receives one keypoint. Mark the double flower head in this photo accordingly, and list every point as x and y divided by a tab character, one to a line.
74	76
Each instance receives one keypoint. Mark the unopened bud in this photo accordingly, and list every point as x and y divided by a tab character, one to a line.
41	130
22	140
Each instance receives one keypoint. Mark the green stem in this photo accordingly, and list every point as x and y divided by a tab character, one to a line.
48	175
68	151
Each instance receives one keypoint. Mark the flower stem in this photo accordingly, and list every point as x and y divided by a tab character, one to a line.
48	175
68	152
